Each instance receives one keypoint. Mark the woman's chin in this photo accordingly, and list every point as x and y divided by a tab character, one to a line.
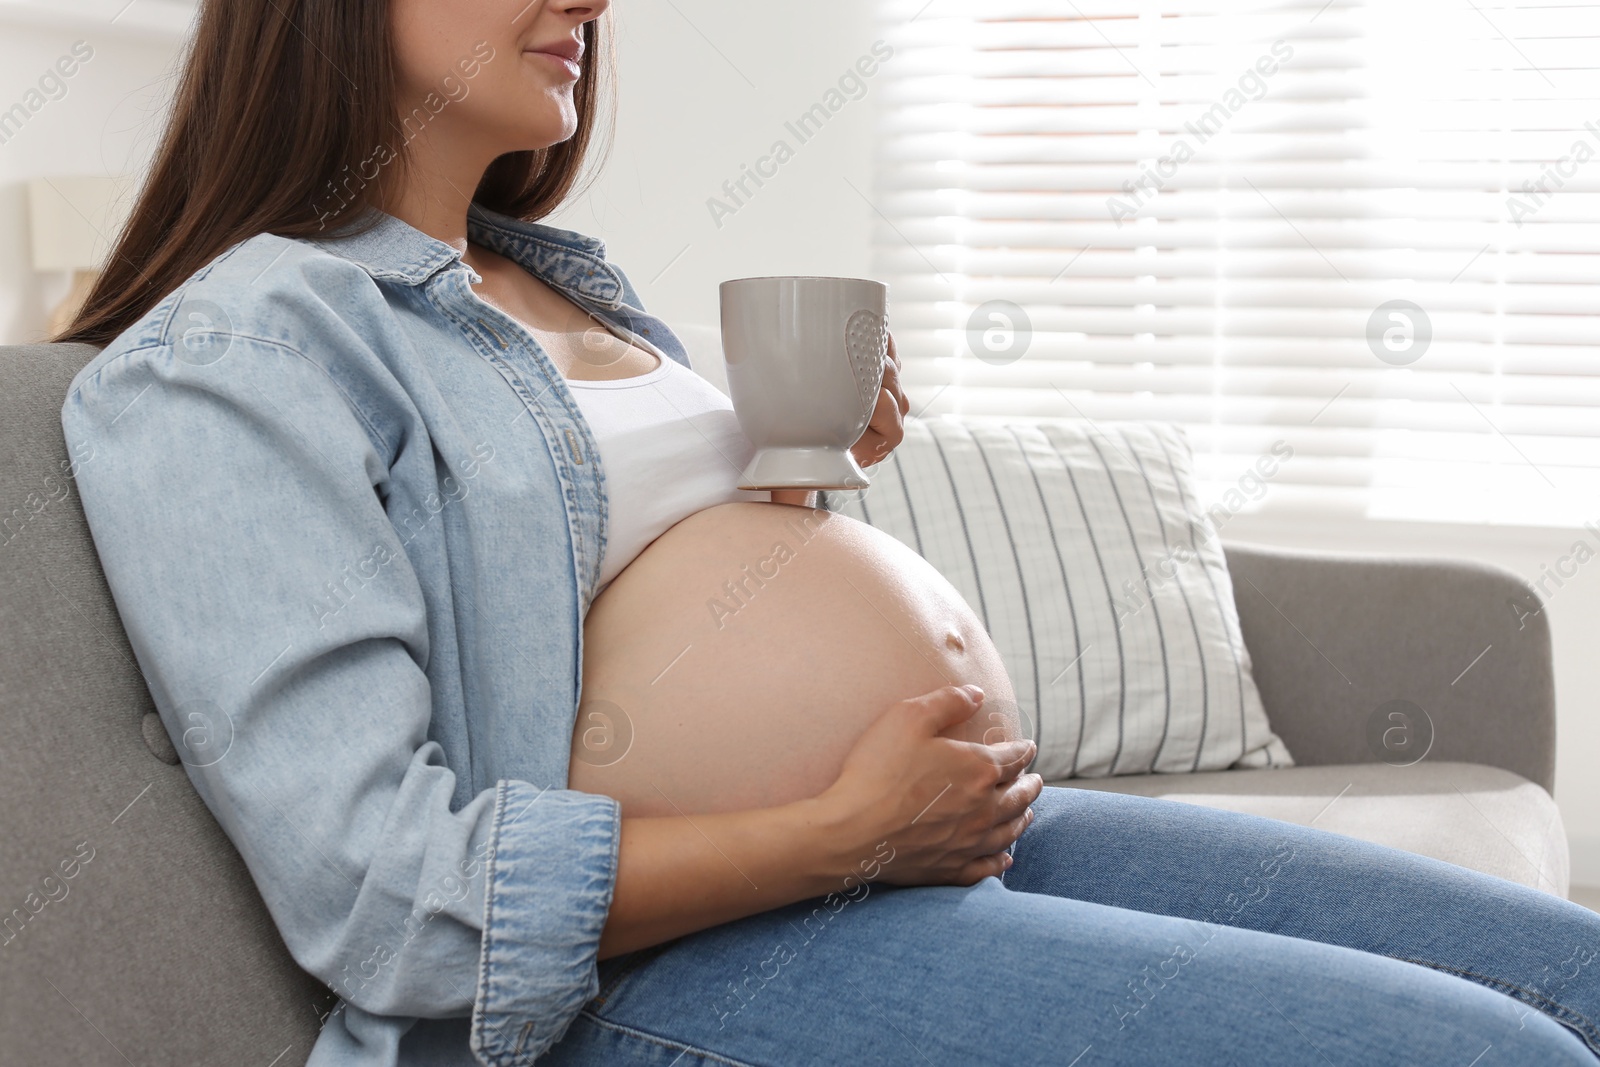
545	116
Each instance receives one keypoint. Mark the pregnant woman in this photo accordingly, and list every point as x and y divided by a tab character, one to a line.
419	524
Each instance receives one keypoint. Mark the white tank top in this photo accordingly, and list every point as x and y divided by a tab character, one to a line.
670	446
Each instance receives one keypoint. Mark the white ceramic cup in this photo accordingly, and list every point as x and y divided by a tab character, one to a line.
805	365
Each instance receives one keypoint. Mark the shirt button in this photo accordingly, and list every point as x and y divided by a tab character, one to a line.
157	740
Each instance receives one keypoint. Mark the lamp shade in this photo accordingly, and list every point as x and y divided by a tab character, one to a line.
74	220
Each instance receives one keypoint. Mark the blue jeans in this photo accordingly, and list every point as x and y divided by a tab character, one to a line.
1130	931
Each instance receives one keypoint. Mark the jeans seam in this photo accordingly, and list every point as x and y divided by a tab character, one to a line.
640	958
1555	1009
664	1042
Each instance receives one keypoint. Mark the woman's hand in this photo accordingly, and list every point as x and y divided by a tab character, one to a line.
910	807
887	427
948	809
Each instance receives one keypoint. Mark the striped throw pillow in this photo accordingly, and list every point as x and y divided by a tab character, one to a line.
1086	554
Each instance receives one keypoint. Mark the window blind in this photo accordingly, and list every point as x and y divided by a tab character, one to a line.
1368	231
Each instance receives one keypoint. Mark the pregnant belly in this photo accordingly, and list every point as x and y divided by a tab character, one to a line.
734	663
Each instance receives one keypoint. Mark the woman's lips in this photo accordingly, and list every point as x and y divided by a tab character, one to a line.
571	68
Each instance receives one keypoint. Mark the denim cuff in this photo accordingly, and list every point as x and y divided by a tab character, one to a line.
552	867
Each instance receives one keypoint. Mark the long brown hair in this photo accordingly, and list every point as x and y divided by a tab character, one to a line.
280	104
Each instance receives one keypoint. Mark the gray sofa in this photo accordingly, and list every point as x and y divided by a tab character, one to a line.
157	949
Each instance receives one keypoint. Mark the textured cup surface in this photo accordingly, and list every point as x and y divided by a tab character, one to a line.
805	365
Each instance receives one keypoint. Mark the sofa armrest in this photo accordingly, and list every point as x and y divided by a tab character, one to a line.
1335	637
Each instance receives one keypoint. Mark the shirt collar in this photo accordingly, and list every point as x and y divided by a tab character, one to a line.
393	250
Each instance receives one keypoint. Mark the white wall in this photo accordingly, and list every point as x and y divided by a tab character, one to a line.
101	125
705	88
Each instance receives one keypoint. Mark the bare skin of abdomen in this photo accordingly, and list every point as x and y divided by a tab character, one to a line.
736	661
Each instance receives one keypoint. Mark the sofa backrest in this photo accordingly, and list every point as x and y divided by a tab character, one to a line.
127	919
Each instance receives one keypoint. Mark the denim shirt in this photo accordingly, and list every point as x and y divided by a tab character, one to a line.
352	520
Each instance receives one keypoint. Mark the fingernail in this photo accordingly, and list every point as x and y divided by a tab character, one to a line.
976	691
1009	861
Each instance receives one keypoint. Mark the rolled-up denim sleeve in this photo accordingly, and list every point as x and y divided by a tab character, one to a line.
223	498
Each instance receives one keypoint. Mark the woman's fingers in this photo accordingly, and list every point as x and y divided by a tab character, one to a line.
1017	795
886	427
1011	815
887	420
1003	835
1010	758
947	706
885	431
951	807
893	385
975	871
891	370
893	365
